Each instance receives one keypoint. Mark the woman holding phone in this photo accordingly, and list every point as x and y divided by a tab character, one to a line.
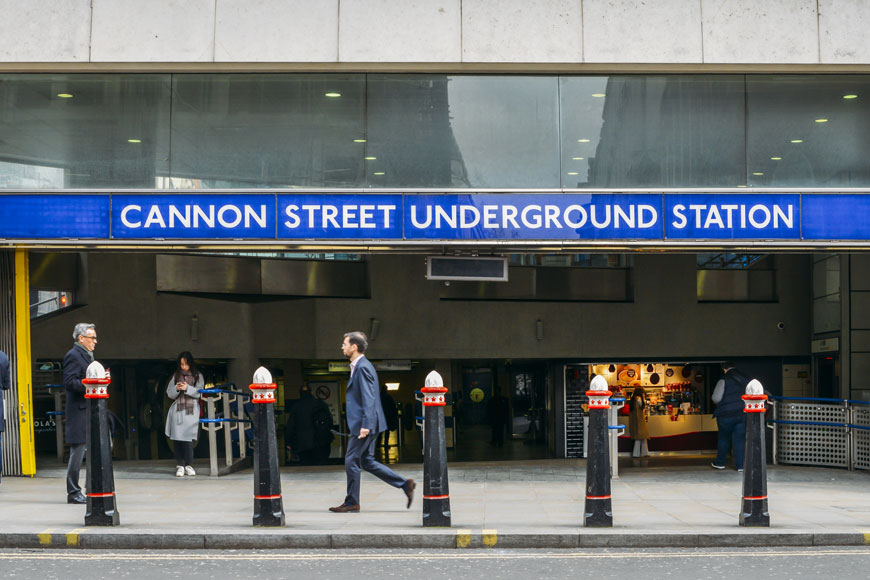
182	422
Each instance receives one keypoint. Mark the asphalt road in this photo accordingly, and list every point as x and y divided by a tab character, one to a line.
787	563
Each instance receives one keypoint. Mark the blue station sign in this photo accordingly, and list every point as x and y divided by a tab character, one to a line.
430	217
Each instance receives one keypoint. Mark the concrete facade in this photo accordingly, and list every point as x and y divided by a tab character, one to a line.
664	320
698	32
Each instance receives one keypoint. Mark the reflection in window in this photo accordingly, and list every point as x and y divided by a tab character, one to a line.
652	131
28	176
266	130
462	131
727	261
101	130
570	260
44	302
826	293
730	277
808	130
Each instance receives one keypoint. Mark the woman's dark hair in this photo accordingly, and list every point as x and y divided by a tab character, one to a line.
189	358
637	392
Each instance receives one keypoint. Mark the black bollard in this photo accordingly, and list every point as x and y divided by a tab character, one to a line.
599	511
754	512
268	505
436	492
100	486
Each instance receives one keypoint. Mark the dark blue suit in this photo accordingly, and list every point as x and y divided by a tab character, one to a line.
364	411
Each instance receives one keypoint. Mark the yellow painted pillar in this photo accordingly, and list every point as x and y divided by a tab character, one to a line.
23	363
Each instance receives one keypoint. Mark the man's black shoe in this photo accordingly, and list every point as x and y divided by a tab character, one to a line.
77	498
409	491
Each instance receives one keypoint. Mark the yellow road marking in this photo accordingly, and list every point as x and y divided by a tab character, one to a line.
866	537
463	538
490	538
45	537
72	536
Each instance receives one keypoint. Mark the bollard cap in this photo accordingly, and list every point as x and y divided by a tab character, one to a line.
96	382
434	379
754	387
95	371
598	383
262	376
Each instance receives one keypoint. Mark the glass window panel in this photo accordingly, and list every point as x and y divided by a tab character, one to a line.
462	131
267	130
808	130
826	277
729	261
826	314
653	131
83	130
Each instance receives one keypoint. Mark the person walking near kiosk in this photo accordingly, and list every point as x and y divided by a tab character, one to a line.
182	421
637	423
729	414
75	366
4	386
365	420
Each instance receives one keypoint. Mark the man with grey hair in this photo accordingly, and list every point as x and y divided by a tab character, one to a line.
75	366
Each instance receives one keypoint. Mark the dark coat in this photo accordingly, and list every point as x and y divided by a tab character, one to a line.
75	366
4	386
363	400
731	404
309	425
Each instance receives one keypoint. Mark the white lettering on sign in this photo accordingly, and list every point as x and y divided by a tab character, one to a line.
731	216
347	216
493	217
194	216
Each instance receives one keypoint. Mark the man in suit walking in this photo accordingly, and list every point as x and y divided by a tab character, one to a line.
75	366
4	386
365	421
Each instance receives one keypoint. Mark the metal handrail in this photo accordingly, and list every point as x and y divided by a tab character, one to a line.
821	423
778	398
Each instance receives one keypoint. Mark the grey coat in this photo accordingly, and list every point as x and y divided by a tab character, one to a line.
179	425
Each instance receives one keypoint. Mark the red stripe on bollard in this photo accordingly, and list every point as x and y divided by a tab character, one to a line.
110	494
435	496
758	497
597	497
267	496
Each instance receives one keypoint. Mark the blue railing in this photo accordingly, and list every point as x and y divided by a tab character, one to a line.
821	431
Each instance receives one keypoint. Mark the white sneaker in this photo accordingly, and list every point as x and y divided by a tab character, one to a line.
179	471
188	470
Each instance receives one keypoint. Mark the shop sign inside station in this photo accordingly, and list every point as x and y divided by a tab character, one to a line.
430	217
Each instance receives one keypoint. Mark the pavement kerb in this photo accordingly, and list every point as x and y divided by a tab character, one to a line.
435	539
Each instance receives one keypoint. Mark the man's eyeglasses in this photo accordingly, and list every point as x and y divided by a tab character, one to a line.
91	337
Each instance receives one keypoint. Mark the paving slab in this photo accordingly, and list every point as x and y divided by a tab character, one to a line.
528	504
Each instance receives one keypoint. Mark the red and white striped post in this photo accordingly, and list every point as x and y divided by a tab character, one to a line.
102	509
599	511
268	503
436	492
754	512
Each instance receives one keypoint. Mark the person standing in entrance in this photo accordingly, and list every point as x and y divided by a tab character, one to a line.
730	418
365	420
4	386
75	366
182	421
637	422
